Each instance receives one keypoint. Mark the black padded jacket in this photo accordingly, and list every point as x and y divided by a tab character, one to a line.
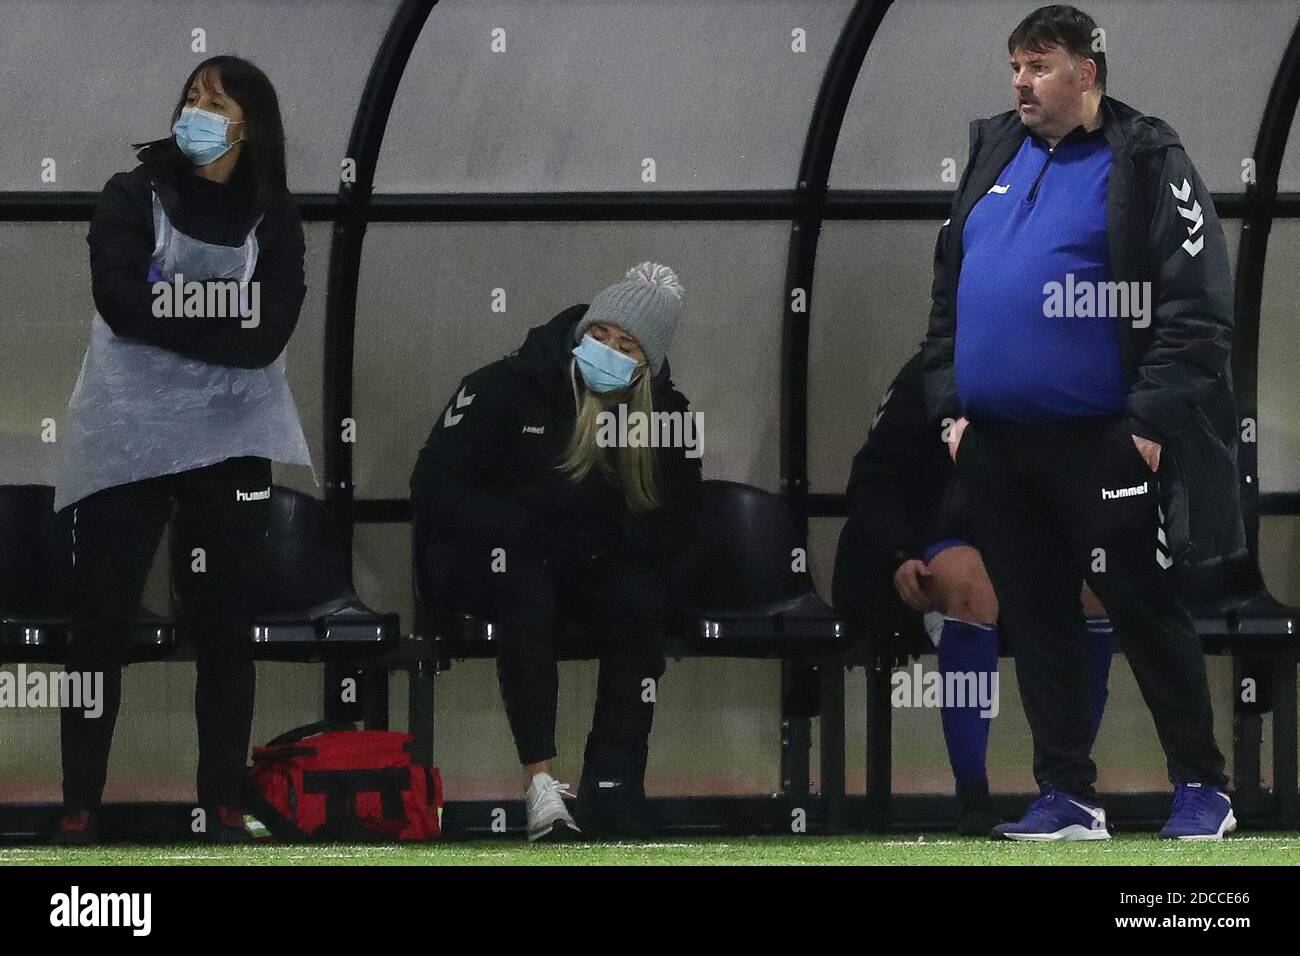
1161	228
121	240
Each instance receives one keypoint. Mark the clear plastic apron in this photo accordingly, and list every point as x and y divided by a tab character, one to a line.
139	411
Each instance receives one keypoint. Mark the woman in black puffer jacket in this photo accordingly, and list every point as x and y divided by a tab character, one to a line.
532	504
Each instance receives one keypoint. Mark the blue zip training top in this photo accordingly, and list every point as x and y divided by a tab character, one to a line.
1043	222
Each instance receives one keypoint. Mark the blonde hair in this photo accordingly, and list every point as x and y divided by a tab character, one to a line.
634	464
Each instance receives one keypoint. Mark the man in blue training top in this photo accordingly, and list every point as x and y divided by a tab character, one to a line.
1079	338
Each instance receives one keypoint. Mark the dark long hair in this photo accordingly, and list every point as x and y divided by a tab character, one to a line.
258	180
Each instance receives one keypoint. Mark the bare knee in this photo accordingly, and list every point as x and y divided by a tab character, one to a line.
959	586
975	602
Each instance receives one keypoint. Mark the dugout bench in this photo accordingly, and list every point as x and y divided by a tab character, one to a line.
310	612
754	606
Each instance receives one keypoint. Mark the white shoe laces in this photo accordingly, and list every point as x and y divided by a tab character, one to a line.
552	790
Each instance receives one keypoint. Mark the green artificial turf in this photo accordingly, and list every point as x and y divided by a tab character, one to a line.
1271	849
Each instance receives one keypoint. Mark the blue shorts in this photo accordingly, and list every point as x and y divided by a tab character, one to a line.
943	544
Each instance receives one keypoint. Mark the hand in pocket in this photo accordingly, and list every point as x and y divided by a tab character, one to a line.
1149	450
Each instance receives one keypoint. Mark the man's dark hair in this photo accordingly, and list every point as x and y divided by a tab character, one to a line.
1064	26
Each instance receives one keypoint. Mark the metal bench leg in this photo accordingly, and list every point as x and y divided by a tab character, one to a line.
374	699
831	728
796	744
337	673
1284	740
420	691
1247	730
880	729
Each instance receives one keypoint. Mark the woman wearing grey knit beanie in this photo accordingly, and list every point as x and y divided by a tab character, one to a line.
541	497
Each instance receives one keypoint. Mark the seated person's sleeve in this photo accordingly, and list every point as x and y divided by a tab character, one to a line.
121	245
279	276
451	485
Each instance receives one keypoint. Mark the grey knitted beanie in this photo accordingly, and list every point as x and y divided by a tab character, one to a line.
646	305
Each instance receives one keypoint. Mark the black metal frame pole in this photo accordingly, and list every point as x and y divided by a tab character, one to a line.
716	205
831	726
1247	735
1257	221
1286	797
814	175
1252	253
341	308
345	250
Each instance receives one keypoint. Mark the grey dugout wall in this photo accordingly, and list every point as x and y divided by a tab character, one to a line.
567	96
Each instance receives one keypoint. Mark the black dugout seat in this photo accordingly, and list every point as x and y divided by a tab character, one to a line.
35	583
756	596
1238	608
310	611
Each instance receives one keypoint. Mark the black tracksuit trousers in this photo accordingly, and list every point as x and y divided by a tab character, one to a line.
115	534
623	605
1055	503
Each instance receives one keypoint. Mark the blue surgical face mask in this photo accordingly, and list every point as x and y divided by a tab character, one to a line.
201	135
604	369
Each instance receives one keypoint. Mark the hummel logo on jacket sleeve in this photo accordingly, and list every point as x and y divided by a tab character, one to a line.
462	401
1191	213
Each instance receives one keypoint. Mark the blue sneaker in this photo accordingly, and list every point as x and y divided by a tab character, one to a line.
1199	813
1057	816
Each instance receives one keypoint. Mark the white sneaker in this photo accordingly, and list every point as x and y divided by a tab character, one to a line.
548	819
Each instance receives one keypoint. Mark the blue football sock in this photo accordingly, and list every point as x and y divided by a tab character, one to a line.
1101	647
967	648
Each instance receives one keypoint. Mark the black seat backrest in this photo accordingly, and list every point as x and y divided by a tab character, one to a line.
35	551
306	563
748	540
1223	589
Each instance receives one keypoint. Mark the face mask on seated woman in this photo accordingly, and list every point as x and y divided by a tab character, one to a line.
604	369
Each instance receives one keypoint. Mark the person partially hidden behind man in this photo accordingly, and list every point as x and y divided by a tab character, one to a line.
907	544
